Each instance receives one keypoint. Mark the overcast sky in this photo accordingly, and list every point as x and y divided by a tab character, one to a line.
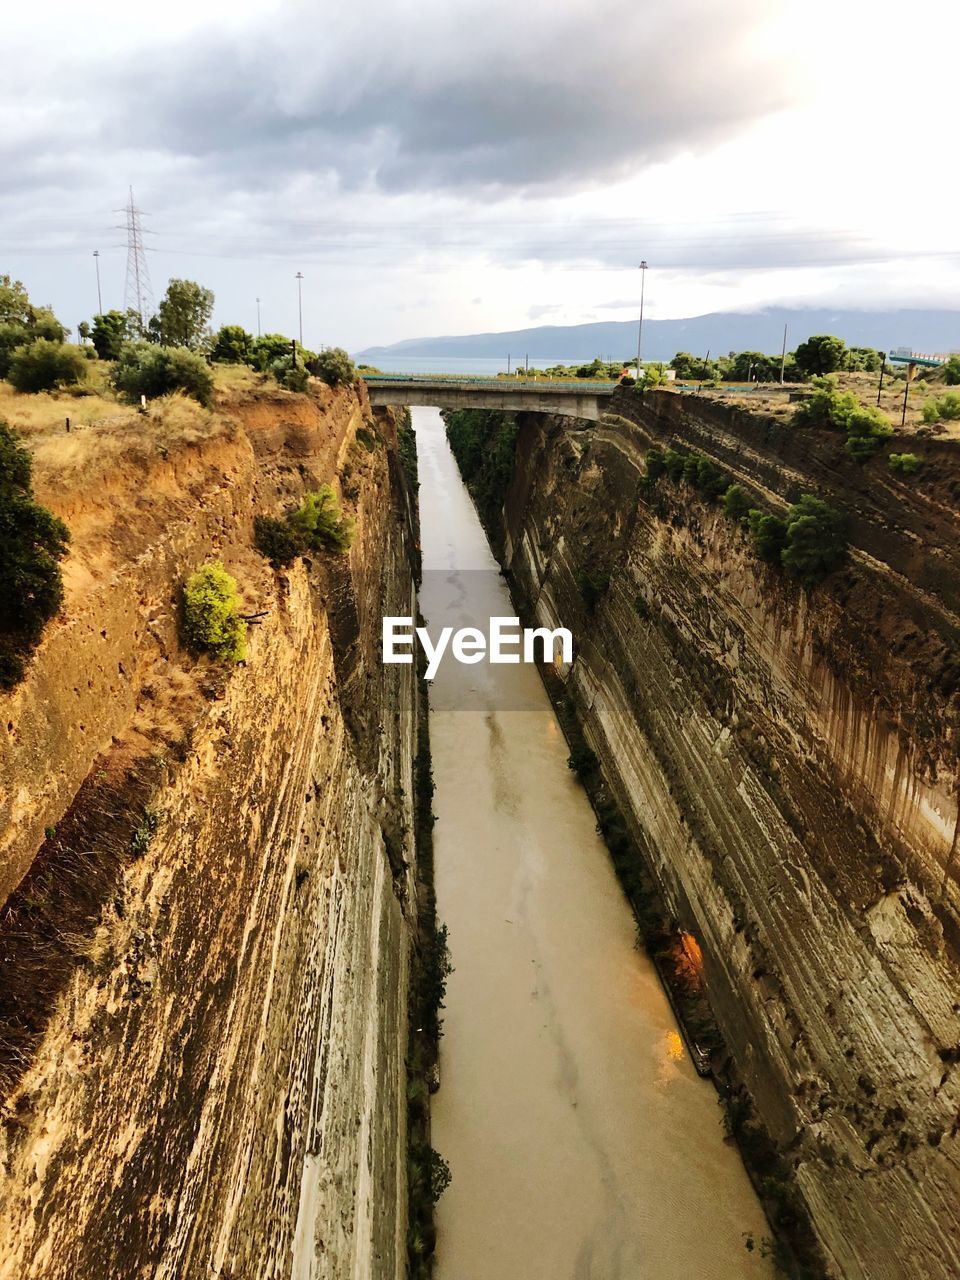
451	166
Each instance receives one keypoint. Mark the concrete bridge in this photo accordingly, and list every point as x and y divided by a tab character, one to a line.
573	399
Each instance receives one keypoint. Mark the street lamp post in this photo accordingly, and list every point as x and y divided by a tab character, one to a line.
643	280
299	279
258	317
96	259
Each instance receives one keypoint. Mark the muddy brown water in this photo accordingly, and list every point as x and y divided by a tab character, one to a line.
581	1141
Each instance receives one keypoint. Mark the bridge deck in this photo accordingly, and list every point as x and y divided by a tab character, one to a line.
454	382
577	398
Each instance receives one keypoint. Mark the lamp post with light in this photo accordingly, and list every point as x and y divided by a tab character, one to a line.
643	280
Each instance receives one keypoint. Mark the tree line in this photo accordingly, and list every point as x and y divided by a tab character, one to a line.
173	350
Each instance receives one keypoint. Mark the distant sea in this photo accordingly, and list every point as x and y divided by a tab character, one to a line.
476	365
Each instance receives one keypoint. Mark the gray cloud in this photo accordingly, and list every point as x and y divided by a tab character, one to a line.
468	97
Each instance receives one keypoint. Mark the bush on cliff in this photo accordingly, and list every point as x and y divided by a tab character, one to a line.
276	541
655	465
768	534
45	365
946	409
904	464
736	503
674	462
145	369
317	525
866	431
710	480
321	524
826	406
32	542
865	427
211	614
291	376
333	366
816	541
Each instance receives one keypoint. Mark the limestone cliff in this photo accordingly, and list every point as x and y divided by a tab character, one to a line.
210	876
789	764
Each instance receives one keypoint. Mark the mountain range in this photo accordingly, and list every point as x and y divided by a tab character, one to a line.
719	332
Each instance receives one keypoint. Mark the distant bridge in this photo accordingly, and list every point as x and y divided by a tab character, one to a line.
573	399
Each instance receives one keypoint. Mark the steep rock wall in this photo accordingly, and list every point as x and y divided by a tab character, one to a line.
219	1088
790	765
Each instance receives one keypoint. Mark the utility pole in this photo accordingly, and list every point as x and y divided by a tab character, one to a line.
258	317
883	368
706	366
508	364
906	388
783	355
526	367
643	281
96	259
299	280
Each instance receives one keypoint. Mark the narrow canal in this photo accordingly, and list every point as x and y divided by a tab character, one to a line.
581	1141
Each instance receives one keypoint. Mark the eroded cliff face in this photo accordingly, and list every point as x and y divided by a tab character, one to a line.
216	1082
789	764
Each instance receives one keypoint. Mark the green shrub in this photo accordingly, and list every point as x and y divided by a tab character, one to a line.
691	467
13	335
320	522
655	464
951	372
275	540
736	503
866	430
111	330
22	323
768	533
582	760
946	409
904	463
592	584
45	365
211	614
333	367
816	541
232	345
292	377
674	461
145	369
826	406
268	349
821	354
32	542
710	480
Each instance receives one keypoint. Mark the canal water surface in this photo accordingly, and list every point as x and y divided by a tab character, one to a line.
581	1141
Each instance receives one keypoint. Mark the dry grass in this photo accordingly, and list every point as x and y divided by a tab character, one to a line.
94	445
238	377
47	411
